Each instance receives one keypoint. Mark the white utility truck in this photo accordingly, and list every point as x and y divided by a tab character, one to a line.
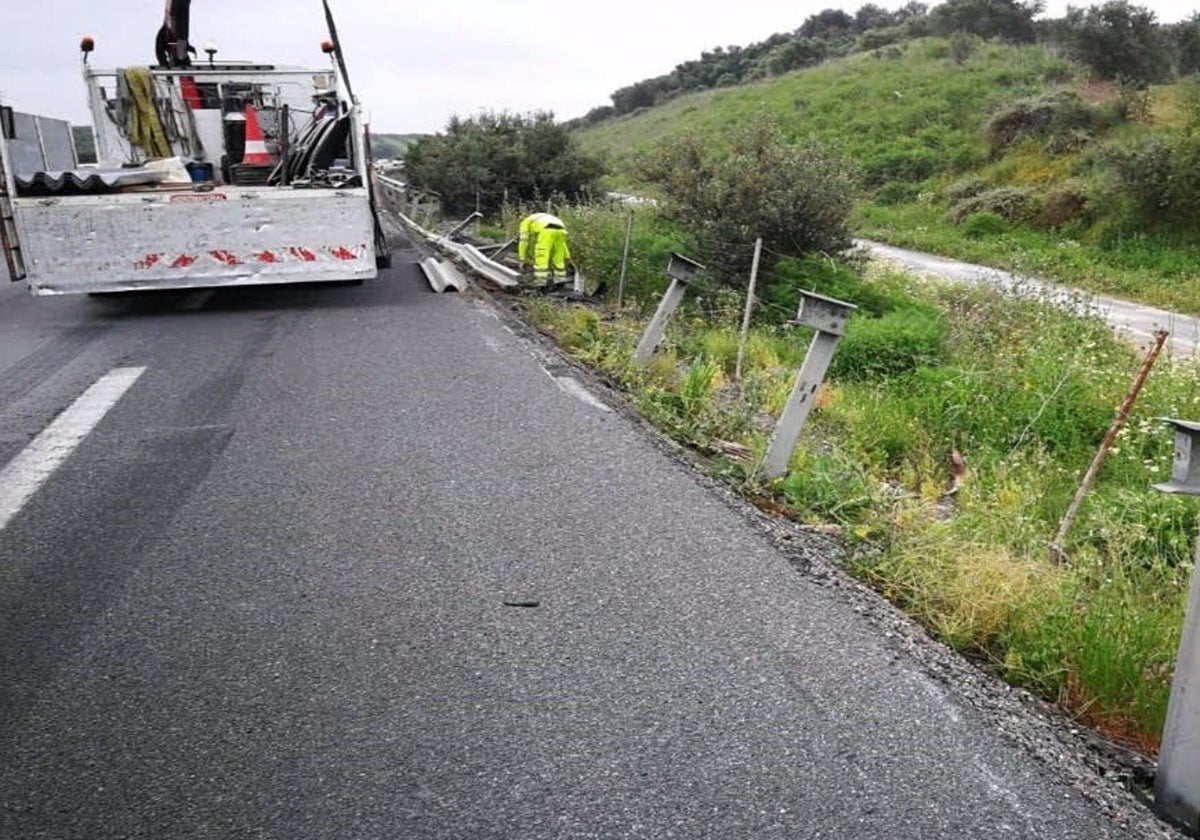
208	174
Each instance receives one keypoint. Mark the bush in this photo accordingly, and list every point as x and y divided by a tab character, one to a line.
1142	172
1062	120
1063	205
832	278
895	343
1008	203
962	190
897	192
797	197
983	224
497	157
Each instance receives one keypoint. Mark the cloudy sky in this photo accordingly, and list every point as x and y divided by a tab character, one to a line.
414	64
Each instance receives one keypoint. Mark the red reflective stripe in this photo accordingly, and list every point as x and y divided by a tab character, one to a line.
344	253
191	94
266	257
148	261
225	257
184	261
303	254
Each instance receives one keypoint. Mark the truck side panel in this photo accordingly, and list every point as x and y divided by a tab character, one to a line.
184	239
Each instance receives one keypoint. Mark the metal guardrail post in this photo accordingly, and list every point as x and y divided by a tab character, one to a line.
1177	782
828	317
682	271
457	229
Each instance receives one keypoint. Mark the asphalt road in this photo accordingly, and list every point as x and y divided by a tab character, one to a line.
354	563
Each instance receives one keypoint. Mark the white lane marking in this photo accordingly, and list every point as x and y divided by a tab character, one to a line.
24	474
576	390
195	300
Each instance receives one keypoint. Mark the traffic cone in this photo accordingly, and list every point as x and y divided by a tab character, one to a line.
256	147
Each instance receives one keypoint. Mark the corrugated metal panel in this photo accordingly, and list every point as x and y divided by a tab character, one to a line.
84	180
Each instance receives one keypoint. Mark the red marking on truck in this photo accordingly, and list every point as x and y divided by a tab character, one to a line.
184	261
303	254
266	257
344	253
148	261
225	258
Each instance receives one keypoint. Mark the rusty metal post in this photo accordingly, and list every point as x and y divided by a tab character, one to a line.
828	317
462	225
1056	547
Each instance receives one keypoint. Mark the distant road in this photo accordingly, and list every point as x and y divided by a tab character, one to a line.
1139	322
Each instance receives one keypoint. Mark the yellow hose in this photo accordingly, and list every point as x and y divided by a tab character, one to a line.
145	128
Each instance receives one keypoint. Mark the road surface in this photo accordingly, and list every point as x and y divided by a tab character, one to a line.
367	563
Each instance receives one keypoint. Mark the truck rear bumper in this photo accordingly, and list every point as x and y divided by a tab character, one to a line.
181	240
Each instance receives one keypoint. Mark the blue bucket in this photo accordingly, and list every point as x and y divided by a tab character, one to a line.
200	172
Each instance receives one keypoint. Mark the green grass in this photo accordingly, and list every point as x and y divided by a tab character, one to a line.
916	124
916	112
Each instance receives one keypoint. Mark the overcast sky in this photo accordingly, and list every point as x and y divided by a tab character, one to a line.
414	65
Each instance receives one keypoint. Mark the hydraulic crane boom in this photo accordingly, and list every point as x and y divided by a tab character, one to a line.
171	46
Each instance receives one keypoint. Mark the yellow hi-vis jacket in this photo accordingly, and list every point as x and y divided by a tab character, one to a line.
543	237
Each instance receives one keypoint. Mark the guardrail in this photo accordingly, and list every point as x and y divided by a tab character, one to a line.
394	193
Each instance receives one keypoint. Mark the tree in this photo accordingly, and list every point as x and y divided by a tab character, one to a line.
1185	36
827	25
1117	40
1005	19
482	160
796	196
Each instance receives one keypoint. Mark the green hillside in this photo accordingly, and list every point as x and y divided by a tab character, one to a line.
392	146
1001	154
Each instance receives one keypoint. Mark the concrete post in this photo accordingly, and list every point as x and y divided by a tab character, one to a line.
828	317
681	270
1177	782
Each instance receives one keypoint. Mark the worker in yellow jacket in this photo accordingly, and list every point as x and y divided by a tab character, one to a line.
543	238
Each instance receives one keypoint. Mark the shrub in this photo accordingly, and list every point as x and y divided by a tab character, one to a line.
897	192
1061	120
797	197
485	160
832	278
1057	72
962	190
983	224
1063	205
1009	203
895	343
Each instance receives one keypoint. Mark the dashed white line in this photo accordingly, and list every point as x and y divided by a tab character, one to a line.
24	474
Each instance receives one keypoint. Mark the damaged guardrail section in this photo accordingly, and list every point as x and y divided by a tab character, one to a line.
394	194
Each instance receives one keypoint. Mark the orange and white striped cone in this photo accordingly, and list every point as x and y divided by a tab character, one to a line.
256	147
